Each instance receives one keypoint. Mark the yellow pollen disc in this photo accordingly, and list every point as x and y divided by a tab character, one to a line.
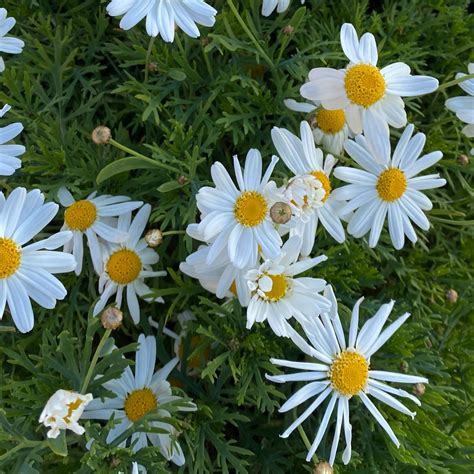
124	266
71	407
391	184
279	288
10	258
364	84
139	403
250	208
349	373
80	215
330	121
324	180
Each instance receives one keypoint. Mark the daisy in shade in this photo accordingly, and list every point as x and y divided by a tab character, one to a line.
362	87
137	395
238	219
463	106
27	271
126	265
268	6
387	186
8	44
340	369
277	296
9	161
89	217
306	161
162	16
330	129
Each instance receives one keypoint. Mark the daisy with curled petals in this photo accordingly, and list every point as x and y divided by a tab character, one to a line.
268	6
387	186
9	161
27	271
127	264
238	219
305	160
277	296
138	394
341	370
88	216
362	87
8	44
162	16
330	129
463	106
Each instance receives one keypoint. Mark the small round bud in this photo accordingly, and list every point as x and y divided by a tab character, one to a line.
463	160
182	180
154	237
152	67
451	296
288	30
101	135
419	389
111	318
204	40
323	468
280	213
404	366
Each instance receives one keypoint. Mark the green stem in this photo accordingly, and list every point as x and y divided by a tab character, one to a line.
147	60
173	232
88	377
455	82
126	149
306	442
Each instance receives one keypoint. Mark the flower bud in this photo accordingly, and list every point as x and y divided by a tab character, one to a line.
288	30
182	180
451	296
323	468
111	318
101	135
404	367
463	160
280	213
419	389
154	237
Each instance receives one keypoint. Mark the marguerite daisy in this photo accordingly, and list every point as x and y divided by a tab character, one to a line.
162	16
341	370
88	216
126	265
268	6
8	44
239	218
304	159
387	185
9	161
362	87
137	395
277	296
26	271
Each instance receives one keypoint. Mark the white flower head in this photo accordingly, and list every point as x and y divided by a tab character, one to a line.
269	6
89	217
341	370
9	161
387	185
163	16
126	265
463	106
8	44
362	87
62	412
135	396
27	271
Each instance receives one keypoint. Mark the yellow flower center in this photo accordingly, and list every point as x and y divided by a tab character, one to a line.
80	215
349	373
330	121
322	177
139	403
71	407
250	208
233	288
364	84
124	266
391	184
10	258
279	287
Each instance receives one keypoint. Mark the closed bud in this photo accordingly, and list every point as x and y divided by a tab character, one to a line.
463	160
101	135
452	296
154	237
288	30
152	67
323	468
111	318
182	180
419	389
280	213
404	367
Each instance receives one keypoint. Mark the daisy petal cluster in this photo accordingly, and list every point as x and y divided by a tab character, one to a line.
9	153
8	44
269	6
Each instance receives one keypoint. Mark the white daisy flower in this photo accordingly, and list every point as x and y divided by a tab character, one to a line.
27	271
163	16
362	87
463	106
238	219
62	412
8	44
9	161
126	265
268	6
330	128
387	184
135	396
89	217
341	370
276	295
303	159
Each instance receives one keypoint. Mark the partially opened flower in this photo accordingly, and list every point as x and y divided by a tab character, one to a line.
340	369
362	87
89	217
9	161
8	44
138	394
269	6
126	266
27	271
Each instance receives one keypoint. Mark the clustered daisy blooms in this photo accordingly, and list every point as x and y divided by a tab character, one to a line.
8	44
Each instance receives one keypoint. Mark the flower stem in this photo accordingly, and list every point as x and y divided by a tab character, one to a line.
306	442
455	82
147	60
126	149
173	232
